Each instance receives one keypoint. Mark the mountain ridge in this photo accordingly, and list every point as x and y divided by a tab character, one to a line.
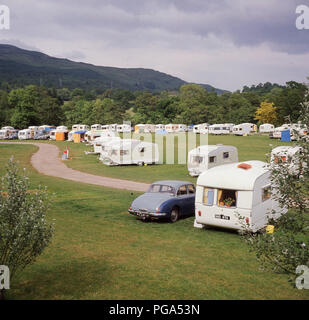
20	67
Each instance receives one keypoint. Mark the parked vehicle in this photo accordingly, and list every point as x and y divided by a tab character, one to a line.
123	128
169	199
244	129
7	128
286	154
277	131
205	157
229	126
4	134
174	128
130	151
96	127
99	144
266	128
25	134
218	129
8	133
159	127
201	128
229	194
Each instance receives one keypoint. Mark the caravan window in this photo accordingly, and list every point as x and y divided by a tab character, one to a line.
212	159
226	155
124	152
208	196
227	198
266	193
197	159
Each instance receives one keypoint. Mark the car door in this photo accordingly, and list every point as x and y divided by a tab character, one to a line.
185	200
191	199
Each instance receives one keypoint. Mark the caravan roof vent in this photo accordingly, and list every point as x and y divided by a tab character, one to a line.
244	166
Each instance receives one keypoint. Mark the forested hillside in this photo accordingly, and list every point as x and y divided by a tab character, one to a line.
38	105
20	67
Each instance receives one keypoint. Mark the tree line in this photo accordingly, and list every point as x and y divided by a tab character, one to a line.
192	104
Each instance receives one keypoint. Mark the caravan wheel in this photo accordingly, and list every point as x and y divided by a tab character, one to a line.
140	163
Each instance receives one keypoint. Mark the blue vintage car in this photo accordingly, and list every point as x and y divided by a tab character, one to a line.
167	199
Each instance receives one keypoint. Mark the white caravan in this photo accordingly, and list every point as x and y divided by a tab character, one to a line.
123	128
62	128
229	126
243	129
287	155
25	134
218	129
53	133
129	151
234	195
7	128
159	127
149	128
4	134
77	127
173	128
201	128
266	128
277	131
100	145
96	127
205	157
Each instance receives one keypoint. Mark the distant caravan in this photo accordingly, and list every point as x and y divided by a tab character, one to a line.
205	157
129	151
218	129
244	129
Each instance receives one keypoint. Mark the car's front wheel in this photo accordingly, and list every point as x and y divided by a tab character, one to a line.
174	215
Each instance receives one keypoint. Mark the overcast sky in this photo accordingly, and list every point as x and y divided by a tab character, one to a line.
225	43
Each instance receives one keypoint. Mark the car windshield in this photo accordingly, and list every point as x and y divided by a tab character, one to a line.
161	188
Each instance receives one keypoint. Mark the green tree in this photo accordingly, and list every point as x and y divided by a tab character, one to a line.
24	229
288	247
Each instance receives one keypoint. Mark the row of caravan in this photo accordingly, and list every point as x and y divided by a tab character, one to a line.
206	157
225	128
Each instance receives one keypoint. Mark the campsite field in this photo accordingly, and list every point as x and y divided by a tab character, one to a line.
100	252
249	148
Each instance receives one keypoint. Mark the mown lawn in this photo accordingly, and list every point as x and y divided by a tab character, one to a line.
100	252
249	148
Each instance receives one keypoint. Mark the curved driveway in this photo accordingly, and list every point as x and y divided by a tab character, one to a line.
46	161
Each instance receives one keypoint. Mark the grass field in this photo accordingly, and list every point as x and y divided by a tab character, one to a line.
100	252
249	148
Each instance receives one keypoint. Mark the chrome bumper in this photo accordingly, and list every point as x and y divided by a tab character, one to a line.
146	214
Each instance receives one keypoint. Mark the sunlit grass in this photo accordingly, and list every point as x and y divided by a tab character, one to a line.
100	252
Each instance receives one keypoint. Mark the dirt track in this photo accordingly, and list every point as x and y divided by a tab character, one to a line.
46	161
